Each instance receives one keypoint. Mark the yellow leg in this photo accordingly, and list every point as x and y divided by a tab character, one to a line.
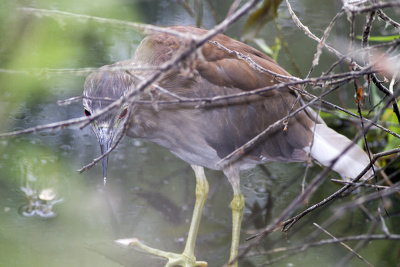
187	258
201	197
237	206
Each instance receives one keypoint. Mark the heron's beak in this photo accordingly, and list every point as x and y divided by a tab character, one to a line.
105	140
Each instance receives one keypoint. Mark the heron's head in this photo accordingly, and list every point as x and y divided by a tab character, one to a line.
101	88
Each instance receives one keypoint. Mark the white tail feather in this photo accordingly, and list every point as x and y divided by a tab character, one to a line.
329	144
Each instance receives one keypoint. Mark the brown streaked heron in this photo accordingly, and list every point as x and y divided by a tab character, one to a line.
204	135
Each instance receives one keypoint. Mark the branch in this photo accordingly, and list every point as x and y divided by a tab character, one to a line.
195	42
290	222
303	247
344	245
373	7
140	27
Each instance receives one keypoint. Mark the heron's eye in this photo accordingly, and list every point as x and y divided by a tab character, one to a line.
87	113
123	113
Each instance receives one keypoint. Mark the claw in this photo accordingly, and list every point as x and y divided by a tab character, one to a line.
127	241
174	259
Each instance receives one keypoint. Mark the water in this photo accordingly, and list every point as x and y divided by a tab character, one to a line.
52	216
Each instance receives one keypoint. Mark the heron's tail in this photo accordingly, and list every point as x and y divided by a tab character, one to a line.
328	144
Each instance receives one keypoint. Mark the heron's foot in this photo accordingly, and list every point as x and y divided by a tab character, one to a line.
174	259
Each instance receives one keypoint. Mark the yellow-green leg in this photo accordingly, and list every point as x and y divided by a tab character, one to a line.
237	206
201	197
187	258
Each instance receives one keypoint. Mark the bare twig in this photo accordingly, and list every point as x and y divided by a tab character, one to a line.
96	160
140	27
233	7
343	244
359	184
322	42
290	222
78	71
371	7
303	247
362	243
386	18
150	80
338	54
195	42
297	21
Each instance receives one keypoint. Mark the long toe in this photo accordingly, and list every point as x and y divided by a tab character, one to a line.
174	259
184	261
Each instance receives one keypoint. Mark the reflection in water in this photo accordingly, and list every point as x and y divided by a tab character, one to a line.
39	203
82	233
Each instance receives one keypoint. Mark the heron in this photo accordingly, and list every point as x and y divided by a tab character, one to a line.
203	135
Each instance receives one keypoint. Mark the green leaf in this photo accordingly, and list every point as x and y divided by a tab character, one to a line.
263	46
381	38
391	119
267	12
271	51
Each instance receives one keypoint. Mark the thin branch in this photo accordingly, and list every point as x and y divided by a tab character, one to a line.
239	152
140	27
233	7
362	243
386	18
372	7
96	160
78	71
195	42
168	65
359	184
385	229
343	244
297	21
69	101
252	63
290	222
303	247
50	126
337	53
322	42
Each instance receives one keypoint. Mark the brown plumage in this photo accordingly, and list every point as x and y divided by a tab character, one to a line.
203	136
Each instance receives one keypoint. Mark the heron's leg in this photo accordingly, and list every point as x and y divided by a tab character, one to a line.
237	206
201	197
187	258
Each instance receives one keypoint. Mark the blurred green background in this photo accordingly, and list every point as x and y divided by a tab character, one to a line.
52	216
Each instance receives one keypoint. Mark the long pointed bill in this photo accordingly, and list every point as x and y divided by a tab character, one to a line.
105	140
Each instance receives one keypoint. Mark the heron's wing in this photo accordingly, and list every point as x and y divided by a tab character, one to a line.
230	124
214	63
